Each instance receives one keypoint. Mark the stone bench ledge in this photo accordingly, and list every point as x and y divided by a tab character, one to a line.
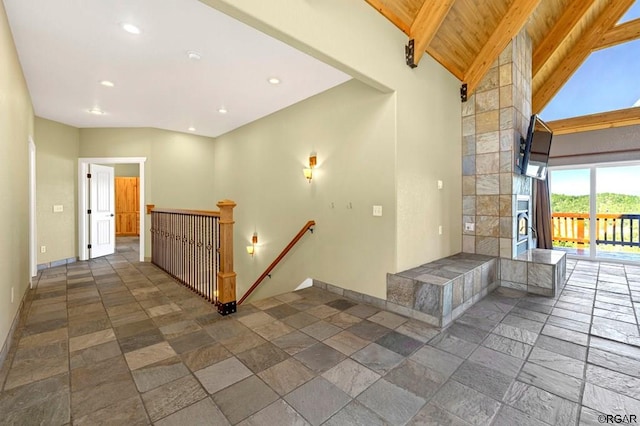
442	290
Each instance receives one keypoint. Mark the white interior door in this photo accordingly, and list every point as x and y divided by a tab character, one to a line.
102	217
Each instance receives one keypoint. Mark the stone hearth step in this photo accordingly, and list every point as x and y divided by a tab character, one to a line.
442	290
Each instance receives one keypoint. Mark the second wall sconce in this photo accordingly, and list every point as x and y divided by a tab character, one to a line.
308	171
254	240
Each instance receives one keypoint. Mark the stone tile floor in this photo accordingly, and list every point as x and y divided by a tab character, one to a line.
114	341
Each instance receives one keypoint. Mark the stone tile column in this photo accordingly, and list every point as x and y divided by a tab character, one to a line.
493	120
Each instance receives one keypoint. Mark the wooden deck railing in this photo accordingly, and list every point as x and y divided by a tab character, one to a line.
196	248
307	227
611	228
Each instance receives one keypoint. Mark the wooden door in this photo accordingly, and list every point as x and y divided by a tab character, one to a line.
127	206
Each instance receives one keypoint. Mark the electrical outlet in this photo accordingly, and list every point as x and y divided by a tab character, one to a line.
377	210
469	226
43	249
440	184
440	230
58	208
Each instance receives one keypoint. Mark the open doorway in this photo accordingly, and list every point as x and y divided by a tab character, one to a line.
127	196
83	200
127	200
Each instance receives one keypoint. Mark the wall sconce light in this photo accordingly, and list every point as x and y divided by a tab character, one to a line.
254	240
308	171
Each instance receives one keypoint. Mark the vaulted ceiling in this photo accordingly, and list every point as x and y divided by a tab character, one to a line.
467	36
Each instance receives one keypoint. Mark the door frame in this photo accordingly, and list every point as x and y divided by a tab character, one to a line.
83	205
33	236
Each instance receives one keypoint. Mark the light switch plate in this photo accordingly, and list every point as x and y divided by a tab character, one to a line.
440	184
377	210
58	208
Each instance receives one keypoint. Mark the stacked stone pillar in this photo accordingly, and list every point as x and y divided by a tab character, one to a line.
494	118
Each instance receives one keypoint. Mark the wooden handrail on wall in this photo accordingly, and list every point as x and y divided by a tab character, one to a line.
307	227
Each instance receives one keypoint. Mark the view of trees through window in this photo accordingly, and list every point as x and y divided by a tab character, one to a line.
617	208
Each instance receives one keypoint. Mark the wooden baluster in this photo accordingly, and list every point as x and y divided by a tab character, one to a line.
581	231
216	256
198	262
226	275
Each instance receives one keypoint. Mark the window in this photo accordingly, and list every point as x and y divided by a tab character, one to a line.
596	210
606	81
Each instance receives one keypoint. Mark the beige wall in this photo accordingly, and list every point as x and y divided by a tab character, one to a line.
58	146
126	170
178	170
428	132
259	166
355	38
16	126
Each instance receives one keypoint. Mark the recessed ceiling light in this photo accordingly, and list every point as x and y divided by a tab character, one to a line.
222	110
130	28
191	129
107	83
96	111
193	55
274	80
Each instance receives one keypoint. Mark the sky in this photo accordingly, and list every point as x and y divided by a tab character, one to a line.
606	81
608	179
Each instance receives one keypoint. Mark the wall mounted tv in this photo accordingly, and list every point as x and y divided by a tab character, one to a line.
534	150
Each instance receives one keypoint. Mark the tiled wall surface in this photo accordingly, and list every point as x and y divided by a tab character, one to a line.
493	120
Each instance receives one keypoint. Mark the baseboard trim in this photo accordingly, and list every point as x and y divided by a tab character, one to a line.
56	263
6	346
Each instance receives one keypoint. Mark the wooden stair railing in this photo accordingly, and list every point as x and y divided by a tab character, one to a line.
307	227
196	248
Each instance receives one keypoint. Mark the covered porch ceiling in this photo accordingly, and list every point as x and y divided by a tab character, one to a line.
467	36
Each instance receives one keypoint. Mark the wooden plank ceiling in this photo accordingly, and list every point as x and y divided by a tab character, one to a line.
467	36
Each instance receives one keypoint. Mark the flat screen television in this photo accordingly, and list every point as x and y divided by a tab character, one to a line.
534	150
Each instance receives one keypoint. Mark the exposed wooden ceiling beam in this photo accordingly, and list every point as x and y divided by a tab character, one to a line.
426	24
583	47
573	13
604	120
386	12
507	29
620	34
